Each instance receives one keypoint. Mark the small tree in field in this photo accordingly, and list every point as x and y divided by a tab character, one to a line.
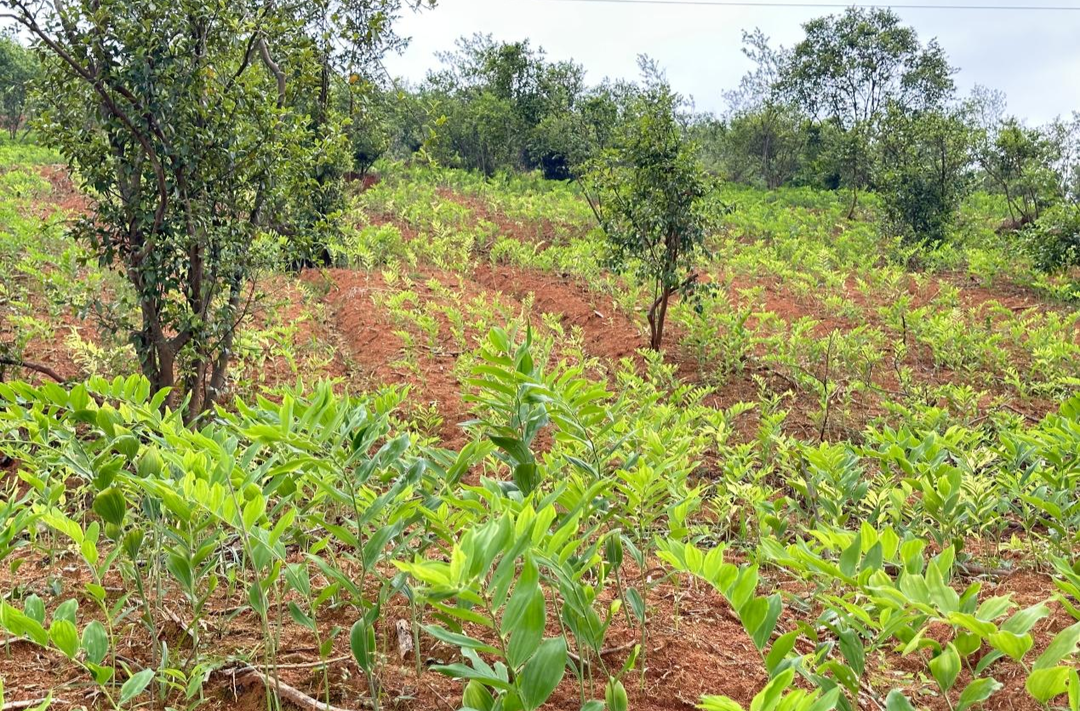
648	193
182	121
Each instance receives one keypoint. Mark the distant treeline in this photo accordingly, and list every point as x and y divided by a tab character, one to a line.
860	103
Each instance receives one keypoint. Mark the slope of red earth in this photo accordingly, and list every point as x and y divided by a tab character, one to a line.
609	333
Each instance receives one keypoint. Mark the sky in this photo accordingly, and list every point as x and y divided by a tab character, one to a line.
1033	56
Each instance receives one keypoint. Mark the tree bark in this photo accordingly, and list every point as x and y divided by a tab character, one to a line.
35	367
658	317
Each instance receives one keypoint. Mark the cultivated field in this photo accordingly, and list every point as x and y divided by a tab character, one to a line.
449	457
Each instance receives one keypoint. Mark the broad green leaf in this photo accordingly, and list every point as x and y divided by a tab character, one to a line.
976	692
1014	646
852	649
1063	645
527	631
111	506
35	609
896	701
719	703
20	624
95	642
849	559
769	697
135	685
615	695
64	637
477	697
1046	684
542	673
945	667
1022	621
459	640
779	650
362	644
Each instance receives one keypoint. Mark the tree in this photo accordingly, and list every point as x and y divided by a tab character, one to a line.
18	70
648	193
1053	238
505	106
346	113
925	171
764	128
851	68
180	120
1020	162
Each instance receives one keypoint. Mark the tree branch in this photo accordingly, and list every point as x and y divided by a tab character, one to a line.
36	367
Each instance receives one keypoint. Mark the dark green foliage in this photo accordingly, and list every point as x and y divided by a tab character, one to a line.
924	173
851	69
648	194
764	138
19	68
504	106
1054	239
1020	163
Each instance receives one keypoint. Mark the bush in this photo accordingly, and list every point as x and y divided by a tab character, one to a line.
1054	239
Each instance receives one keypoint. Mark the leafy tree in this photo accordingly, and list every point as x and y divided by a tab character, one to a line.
764	136
346	113
851	68
648	193
181	120
19	69
925	171
368	126
1020	162
478	133
505	106
1054	237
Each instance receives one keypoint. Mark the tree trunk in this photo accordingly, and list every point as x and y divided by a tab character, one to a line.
657	318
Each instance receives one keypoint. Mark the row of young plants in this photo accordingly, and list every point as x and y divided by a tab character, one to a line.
525	550
864	330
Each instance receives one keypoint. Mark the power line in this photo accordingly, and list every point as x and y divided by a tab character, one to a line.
820	5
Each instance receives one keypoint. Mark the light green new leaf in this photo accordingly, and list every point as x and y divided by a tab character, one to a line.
21	625
135	685
719	703
1014	646
64	637
1045	684
976	692
769	697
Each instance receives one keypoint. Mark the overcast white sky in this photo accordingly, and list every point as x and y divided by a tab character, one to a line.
1032	56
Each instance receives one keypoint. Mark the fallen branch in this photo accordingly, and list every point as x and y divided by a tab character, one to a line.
36	367
285	692
973	569
313	665
33	703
